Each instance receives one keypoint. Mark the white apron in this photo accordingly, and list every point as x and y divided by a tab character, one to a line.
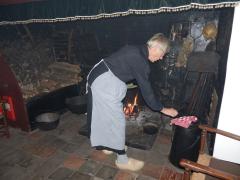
108	119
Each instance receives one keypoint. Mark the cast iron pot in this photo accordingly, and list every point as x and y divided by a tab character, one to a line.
77	104
47	121
150	128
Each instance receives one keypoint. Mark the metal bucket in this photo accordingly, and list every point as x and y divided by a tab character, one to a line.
47	121
185	144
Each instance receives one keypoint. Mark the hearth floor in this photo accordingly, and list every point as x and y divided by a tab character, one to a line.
62	154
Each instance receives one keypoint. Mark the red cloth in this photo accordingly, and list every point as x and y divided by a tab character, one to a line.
184	121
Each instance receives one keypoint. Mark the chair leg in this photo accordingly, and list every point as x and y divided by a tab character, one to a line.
186	174
203	141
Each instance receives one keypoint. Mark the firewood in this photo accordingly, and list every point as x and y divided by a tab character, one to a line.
63	66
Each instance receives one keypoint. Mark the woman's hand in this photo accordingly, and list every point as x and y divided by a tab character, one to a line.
169	111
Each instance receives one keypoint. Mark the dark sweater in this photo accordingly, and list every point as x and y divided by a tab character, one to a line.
131	62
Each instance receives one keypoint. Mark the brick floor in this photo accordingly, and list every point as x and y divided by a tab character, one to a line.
40	150
74	161
90	167
61	174
80	176
36	135
168	174
152	170
107	172
98	156
64	154
49	166
123	175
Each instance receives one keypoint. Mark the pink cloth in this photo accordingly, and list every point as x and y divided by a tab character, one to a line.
184	121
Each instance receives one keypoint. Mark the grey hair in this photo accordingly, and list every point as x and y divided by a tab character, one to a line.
160	41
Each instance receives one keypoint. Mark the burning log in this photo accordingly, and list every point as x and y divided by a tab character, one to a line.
131	110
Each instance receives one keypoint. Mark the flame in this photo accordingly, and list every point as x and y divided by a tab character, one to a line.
130	109
135	100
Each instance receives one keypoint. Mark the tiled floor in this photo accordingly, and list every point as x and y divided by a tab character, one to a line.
62	154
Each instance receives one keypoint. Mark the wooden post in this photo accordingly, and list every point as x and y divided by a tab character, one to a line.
203	141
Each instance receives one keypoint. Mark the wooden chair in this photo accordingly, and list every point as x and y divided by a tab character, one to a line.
191	167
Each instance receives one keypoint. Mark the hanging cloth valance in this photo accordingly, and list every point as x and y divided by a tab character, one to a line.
62	10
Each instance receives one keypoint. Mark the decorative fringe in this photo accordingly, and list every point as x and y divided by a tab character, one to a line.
129	12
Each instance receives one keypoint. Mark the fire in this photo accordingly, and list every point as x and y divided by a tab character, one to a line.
131	109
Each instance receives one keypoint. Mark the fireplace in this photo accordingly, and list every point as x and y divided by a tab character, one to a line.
47	50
